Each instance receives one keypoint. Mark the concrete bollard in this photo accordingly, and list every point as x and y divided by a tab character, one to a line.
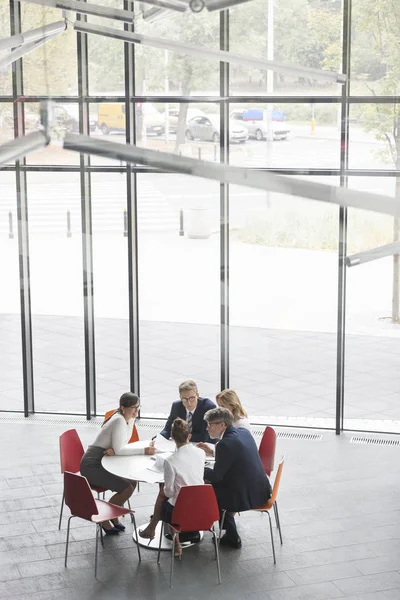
10	226
69	232
125	223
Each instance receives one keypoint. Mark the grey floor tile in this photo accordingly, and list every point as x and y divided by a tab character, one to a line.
370	583
323	573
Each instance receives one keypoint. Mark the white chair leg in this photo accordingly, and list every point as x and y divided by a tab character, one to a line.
136	535
160	542
272	535
97	548
61	510
67	542
216	544
172	559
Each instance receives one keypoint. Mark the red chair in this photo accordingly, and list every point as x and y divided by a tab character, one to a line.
71	452
271	503
80	501
196	509
267	450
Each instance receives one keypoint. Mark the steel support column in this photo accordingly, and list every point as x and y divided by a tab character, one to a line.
131	191
342	250
86	217
224	206
23	234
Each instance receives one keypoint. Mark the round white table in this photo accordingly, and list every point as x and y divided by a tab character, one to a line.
138	467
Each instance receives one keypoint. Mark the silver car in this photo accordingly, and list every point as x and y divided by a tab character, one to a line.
207	129
258	127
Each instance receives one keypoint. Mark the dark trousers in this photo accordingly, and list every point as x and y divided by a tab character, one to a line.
229	525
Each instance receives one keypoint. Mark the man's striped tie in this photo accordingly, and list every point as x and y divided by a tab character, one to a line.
189	421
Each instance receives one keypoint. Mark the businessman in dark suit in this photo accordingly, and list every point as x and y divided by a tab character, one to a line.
190	408
238	477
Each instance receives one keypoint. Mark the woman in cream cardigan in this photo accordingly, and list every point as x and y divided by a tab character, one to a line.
112	440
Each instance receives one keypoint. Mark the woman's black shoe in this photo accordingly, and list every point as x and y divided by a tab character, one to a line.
112	531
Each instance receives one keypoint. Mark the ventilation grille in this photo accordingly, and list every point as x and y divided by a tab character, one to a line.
290	435
374	441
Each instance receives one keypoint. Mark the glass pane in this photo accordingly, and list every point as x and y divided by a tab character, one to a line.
301	33
177	73
186	129
11	377
285	135
6	122
374	136
65	119
179	286
5	74
283	300
56	292
111	288
51	69
106	58
372	381
375	51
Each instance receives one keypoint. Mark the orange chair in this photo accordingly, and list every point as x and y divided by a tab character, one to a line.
272	504
80	501
134	437
71	452
196	509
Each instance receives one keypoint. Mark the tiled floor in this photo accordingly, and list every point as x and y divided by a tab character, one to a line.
339	507
277	373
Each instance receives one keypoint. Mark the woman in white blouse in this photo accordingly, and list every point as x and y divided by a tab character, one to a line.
183	467
113	439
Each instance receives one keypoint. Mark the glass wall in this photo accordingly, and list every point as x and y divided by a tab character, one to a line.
131	278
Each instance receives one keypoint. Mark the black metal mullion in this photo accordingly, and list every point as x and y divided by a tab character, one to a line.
342	250
87	240
224	206
131	191
23	232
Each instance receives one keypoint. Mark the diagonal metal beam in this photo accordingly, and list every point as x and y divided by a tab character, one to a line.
22	146
33	35
202	52
106	12
25	49
234	175
373	254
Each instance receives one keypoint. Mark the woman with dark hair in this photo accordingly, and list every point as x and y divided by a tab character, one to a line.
183	467
113	440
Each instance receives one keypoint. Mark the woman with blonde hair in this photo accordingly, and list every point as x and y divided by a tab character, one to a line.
229	399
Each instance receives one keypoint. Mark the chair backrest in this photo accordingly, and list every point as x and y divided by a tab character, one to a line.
134	437
71	451
267	450
78	496
277	480
196	508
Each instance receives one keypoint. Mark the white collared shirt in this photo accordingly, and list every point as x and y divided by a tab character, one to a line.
183	467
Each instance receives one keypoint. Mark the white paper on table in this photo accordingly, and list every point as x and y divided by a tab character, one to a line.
158	464
161	444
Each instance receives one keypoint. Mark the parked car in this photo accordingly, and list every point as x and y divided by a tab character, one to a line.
207	129
173	117
111	118
256	122
67	117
